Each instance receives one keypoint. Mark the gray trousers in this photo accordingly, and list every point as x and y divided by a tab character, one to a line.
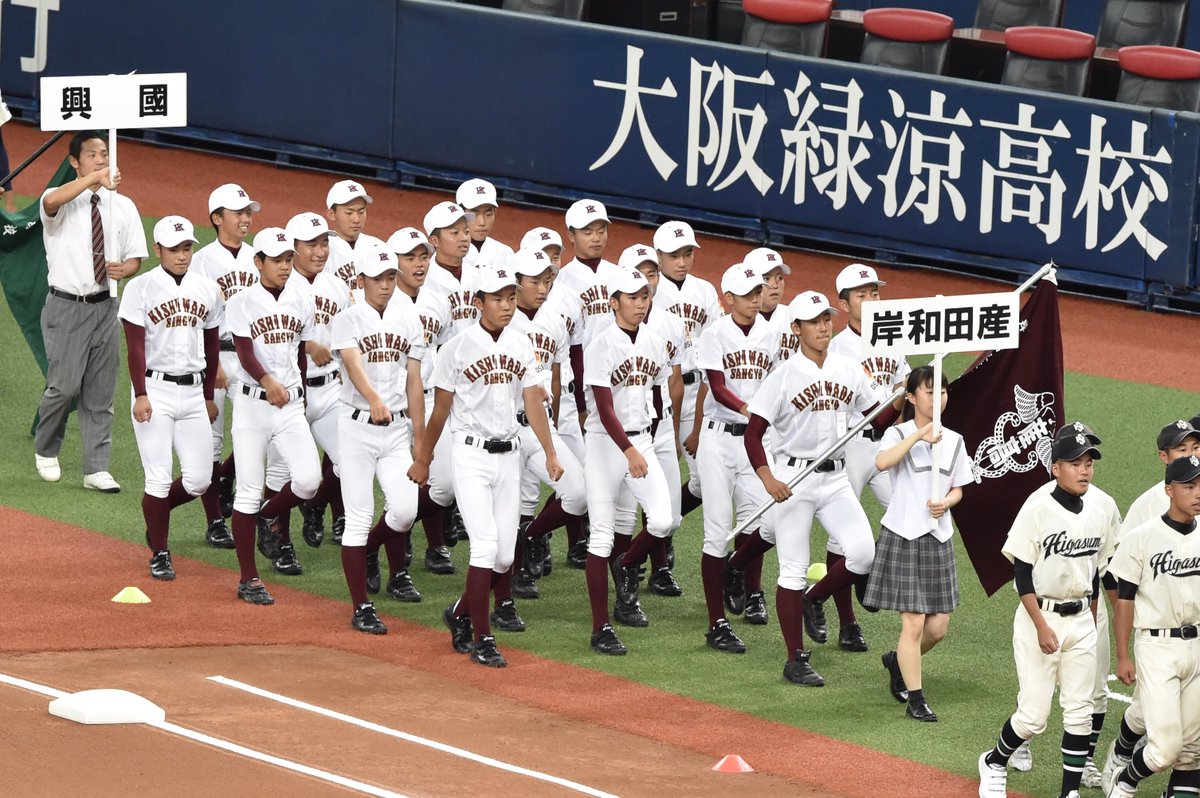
82	349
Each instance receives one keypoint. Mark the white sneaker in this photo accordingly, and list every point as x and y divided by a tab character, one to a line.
1113	765
1022	758
993	781
1121	790
47	468
101	481
1073	794
1091	774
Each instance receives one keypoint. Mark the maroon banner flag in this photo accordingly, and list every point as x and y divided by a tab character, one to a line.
1007	407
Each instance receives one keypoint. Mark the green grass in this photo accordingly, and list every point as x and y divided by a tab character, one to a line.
969	679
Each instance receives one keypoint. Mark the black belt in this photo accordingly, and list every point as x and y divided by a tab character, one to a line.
91	299
523	419
255	392
1073	607
490	446
736	430
323	380
571	387
872	434
1189	632
825	466
691	377
365	417
178	379
631	432
228	346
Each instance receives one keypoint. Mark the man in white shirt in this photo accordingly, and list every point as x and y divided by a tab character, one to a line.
93	236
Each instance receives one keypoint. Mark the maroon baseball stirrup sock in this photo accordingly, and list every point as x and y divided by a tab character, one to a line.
332	484
688	501
596	573
575	527
244	526
620	545
789	606
178	494
379	535
502	585
841	599
754	567
549	519
712	572
433	519
354	565
227	471
836	578
397	552
658	554
479	593
754	546
157	512
281	502
211	498
639	549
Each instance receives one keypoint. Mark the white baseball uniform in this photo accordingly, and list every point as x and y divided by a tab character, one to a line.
727	478
232	273
386	343
630	369
810	407
277	327
1164	563
174	316
1068	551
490	253
488	378
341	257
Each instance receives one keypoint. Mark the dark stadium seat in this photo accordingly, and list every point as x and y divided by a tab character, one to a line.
1048	59
563	9
1160	77
1124	23
905	38
789	26
1005	14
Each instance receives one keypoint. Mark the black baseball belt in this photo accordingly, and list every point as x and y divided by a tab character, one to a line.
490	445
323	380
178	379
1187	632
691	377
824	467
1072	607
364	417
736	430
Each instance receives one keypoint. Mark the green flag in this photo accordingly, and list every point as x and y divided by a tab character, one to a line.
23	266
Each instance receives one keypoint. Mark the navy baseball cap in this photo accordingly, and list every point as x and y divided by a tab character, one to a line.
1175	433
1073	447
1183	469
1077	428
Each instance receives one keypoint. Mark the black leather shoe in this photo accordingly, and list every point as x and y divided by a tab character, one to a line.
161	567
366	620
535	555
486	653
455	529
460	630
606	642
506	618
722	638
800	672
374	582
287	563
217	535
268	537
438	560
225	497
314	523
401	588
814	620
339	529
921	712
627	579
756	609
850	638
630	614
525	586
895	678
662	582
577	554
735	589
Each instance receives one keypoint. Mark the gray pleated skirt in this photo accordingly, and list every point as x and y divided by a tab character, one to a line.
913	575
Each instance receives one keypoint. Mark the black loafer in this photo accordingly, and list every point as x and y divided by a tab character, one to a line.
921	712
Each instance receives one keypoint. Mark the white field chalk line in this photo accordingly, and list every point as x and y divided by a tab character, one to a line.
412	738
234	748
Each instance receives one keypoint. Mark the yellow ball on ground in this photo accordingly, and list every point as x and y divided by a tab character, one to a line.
816	572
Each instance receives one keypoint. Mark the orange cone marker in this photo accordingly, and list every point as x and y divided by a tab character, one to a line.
732	764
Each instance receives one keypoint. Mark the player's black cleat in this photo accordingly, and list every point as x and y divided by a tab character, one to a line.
367	620
505	617
438	560
525	586
401	588
577	554
895	678
735	589
535	555
850	638
485	653
800	672
662	583
254	592
161	567
408	550
814	620
218	536
627	579
630	614
756	609
460	630
339	529
225	497
314	523
374	581
455	530
269	538
722	638
287	563
606	642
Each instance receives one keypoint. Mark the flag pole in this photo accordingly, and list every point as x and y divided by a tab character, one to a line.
21	167
109	230
1049	268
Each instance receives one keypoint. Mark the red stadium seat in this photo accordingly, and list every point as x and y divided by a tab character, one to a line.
1048	59
905	38
790	26
1160	77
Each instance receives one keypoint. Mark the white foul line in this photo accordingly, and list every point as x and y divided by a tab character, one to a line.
412	738
234	748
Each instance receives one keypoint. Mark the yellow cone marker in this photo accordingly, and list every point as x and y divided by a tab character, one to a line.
131	595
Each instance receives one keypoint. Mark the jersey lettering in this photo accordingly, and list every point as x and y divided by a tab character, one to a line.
325	309
544	347
347	273
595	300
497	369
278	328
824	395
1166	563
384	347
881	369
693	316
746	364
461	308
1063	546
637	370
178	312
234	281
788	344
432	327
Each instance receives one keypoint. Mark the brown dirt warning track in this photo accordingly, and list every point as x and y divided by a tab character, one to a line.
409	680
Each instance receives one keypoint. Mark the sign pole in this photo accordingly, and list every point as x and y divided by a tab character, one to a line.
110	232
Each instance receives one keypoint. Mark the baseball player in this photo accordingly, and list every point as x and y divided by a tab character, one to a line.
695	301
551	340
482	376
479	197
346	203
380	344
626	368
1059	545
548	241
171	319
858	283
808	400
270	323
230	263
1175	440
310	237
1157	567
736	353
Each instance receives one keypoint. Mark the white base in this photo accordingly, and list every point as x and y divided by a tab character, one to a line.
107	706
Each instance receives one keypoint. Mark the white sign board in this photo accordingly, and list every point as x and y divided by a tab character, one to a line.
114	102
943	324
